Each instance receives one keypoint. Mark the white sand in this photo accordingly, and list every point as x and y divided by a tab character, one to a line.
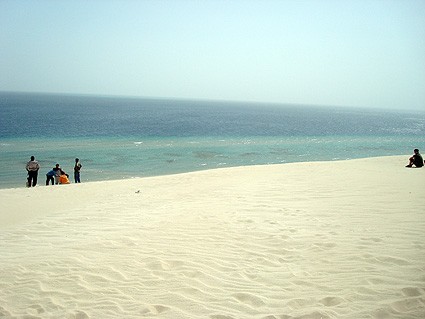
307	240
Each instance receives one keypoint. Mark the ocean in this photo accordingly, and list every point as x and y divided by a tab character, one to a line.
119	137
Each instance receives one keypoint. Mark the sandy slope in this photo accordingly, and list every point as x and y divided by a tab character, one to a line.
307	240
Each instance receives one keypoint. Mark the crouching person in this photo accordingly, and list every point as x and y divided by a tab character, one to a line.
50	177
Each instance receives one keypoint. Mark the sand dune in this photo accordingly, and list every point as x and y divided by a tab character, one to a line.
307	240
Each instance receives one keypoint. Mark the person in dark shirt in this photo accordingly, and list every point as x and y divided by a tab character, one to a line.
416	160
77	169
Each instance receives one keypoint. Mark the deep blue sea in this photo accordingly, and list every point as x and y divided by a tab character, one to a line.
134	137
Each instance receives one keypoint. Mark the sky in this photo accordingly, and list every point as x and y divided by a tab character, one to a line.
366	53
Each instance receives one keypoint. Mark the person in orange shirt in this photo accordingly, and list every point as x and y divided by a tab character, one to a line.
63	179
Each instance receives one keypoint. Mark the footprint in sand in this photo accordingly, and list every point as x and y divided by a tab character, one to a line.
278	317
154	310
37	308
407	305
81	315
324	245
412	291
4	313
373	239
331	301
249	299
221	317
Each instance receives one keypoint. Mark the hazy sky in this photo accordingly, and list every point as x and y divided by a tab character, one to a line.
331	52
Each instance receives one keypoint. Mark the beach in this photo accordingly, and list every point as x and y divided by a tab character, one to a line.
332	239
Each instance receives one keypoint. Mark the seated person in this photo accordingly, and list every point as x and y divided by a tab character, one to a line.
416	159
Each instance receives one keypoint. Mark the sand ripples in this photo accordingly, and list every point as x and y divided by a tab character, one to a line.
226	251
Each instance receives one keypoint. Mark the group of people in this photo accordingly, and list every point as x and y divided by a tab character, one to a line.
54	176
58	176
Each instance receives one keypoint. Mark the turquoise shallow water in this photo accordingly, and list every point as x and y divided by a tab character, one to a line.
119	138
116	158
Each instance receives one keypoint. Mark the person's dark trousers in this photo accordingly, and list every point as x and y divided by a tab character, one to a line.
50	179
32	176
77	177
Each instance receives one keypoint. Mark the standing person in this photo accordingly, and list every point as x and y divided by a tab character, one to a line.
77	169
32	169
416	159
